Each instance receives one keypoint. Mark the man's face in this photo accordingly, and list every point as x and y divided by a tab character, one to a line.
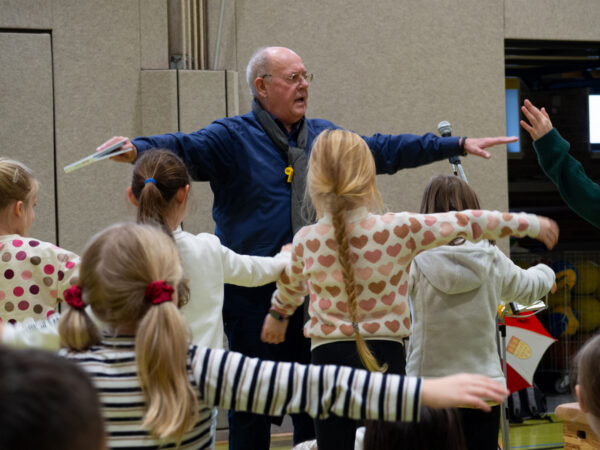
284	98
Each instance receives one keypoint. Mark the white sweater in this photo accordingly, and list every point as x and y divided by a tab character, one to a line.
455	293
208	265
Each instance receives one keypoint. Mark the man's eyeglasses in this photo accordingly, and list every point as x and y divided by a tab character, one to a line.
294	78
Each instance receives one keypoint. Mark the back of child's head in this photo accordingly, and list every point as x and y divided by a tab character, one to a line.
47	402
341	172
17	182
121	270
157	176
439	429
342	176
446	193
587	365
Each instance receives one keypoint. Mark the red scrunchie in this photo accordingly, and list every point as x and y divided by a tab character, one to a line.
73	297
159	292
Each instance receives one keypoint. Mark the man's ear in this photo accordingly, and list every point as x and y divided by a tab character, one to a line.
182	193
131	197
580	399
260	87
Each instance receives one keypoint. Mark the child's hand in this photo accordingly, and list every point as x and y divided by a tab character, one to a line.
548	231
128	157
462	389
539	119
273	331
287	248
553	289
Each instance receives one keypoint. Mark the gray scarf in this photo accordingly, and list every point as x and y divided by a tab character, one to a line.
297	160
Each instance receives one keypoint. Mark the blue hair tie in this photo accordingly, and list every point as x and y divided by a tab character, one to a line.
150	180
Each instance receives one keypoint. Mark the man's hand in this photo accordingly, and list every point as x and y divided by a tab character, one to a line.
477	146
127	157
539	119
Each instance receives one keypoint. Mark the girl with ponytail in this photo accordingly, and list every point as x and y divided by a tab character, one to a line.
354	265
157	391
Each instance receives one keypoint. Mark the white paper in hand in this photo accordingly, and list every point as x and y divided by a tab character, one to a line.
113	150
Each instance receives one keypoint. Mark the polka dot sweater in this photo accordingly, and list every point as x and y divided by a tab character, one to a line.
382	248
33	277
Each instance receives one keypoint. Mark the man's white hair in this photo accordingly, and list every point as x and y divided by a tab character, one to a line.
257	66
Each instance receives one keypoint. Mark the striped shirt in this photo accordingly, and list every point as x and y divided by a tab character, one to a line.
233	381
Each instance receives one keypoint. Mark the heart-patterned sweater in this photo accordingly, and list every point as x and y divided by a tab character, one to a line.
382	248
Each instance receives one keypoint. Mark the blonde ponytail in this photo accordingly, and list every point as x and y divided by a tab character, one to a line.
77	331
161	355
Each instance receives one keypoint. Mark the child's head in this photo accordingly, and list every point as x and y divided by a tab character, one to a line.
341	176
131	277
341	173
18	194
438	428
448	193
588	382
47	403
159	188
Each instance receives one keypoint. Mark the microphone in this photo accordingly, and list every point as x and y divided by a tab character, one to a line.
445	130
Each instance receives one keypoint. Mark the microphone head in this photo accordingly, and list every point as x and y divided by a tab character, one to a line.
445	129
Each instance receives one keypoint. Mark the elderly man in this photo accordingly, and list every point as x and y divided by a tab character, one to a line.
256	164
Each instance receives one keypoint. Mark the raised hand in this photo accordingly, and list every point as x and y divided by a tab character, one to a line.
123	157
539	121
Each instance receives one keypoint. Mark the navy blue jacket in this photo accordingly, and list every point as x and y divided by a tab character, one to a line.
246	173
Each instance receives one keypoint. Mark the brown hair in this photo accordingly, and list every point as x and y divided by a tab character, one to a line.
116	268
446	193
587	363
154	199
342	176
17	182
48	403
438	428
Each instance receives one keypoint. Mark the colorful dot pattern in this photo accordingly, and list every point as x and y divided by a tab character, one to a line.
382	248
33	276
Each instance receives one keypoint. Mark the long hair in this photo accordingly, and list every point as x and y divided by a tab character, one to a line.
116	268
587	364
439	429
446	193
17	182
154	198
342	176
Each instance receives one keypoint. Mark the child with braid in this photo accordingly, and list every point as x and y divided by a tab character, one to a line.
354	265
157	391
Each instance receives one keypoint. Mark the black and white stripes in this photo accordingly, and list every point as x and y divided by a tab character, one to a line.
234	381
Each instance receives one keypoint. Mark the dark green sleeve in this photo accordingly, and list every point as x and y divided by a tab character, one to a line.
575	187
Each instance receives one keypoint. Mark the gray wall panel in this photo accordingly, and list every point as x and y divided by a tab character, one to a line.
154	40
552	19
97	73
202	99
26	117
32	14
159	101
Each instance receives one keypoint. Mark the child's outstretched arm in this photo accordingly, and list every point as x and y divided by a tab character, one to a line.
460	390
431	230
233	381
